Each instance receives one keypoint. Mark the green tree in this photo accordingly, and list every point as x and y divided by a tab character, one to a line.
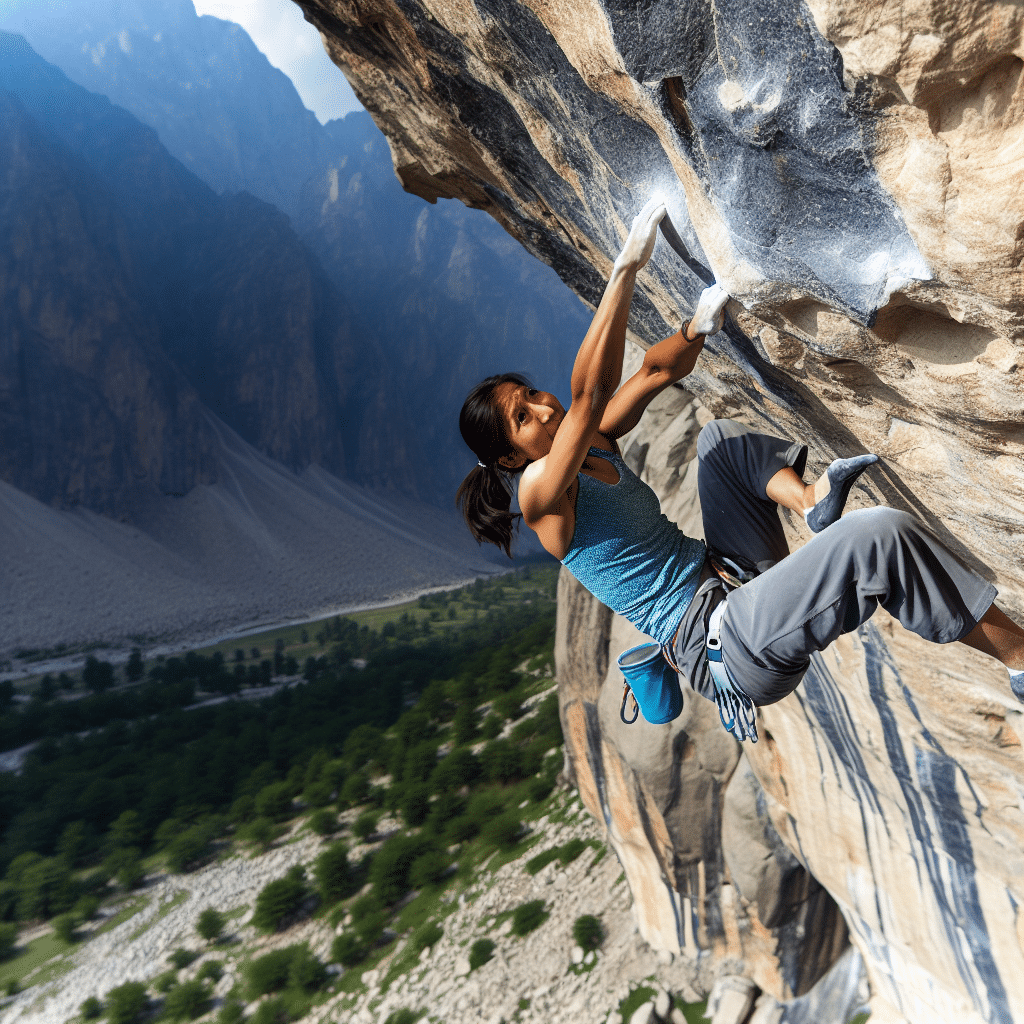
428	869
45	888
459	768
324	822
64	928
8	938
210	924
333	873
187	1000
261	831
365	825
503	831
126	1003
480	952
587	932
91	1008
191	847
528	916
390	869
97	675
501	761
274	801
348	950
306	973
211	970
125	865
363	745
278	900
134	668
356	790
74	843
416	804
232	1012
269	973
464	724
126	830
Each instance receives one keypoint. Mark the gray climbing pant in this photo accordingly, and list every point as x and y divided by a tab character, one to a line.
803	601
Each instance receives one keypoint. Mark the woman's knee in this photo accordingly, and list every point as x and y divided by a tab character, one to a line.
714	432
878	522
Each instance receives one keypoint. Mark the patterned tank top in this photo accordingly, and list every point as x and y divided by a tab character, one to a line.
627	553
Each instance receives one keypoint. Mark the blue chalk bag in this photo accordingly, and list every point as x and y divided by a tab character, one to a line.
654	682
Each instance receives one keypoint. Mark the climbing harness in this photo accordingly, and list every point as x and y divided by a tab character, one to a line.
735	708
650	669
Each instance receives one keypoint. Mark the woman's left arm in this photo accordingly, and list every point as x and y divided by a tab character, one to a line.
665	363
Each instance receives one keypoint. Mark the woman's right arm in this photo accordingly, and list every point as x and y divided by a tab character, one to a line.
595	375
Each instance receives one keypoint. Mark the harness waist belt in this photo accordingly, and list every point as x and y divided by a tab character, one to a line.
735	708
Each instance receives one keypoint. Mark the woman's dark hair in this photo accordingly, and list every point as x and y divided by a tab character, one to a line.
485	496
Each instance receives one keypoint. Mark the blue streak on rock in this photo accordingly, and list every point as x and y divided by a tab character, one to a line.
939	824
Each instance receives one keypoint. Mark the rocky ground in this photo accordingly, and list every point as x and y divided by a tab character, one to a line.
540	977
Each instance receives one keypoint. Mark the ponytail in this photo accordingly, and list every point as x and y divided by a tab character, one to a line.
485	499
485	496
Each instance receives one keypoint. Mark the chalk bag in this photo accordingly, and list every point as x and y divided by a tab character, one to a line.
653	682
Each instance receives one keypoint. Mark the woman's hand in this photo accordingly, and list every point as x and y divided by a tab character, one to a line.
642	235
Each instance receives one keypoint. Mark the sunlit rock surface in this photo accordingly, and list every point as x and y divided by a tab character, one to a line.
851	172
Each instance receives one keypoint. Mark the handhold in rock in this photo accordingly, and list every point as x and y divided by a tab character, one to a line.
576	955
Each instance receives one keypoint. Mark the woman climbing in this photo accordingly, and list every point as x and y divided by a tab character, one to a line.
605	525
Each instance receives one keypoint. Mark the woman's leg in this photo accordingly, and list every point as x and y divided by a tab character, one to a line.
871	557
735	467
999	637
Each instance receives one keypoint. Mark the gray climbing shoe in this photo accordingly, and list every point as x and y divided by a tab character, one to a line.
1017	684
841	477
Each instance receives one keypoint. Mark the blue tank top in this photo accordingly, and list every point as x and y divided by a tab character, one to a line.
629	556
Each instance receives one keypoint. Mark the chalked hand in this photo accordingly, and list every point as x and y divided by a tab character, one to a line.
642	235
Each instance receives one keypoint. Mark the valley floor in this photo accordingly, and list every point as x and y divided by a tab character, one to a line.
529	979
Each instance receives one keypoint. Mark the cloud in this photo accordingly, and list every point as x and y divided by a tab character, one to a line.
290	43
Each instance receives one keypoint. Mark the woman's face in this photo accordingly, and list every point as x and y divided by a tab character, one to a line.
531	419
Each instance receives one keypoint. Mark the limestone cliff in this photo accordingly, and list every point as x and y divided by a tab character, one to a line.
850	171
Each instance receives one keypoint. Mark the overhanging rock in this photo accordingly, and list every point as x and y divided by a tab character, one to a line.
850	170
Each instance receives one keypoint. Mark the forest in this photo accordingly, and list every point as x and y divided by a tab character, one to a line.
128	777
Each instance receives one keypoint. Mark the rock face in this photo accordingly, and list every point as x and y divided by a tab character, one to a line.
850	172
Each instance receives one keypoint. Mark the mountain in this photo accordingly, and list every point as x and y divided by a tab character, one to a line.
176	378
438	296
175	287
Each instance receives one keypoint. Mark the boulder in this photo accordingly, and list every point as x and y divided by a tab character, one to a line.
731	999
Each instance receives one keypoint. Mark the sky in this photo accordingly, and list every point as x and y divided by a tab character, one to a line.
290	43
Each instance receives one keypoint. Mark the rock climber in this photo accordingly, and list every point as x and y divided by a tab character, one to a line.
737	616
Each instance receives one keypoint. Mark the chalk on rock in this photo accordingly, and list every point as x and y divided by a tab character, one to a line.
643	1014
731	999
577	955
662	1004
